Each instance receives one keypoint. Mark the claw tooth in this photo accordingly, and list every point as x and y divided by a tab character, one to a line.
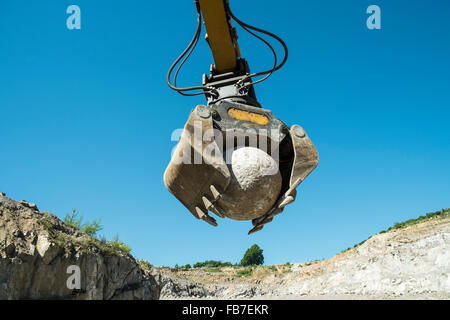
255	229
207	203
200	212
215	193
286	201
205	217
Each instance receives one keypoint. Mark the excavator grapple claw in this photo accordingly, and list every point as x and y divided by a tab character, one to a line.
235	158
202	177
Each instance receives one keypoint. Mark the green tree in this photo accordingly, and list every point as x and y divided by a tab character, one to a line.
212	264
253	256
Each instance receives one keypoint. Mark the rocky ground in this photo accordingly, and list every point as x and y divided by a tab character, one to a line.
36	249
407	263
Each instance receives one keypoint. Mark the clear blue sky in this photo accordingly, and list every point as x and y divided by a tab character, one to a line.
86	119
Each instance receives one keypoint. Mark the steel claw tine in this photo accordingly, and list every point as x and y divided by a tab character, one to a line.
211	207
216	194
286	201
255	229
205	217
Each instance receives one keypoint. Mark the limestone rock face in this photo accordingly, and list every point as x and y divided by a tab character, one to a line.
409	263
36	250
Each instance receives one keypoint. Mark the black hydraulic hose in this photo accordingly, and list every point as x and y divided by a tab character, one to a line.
190	48
274	62
183	54
181	65
243	24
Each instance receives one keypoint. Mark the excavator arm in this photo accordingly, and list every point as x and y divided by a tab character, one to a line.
203	173
220	35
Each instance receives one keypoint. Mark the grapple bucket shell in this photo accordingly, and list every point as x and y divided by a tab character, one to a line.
194	168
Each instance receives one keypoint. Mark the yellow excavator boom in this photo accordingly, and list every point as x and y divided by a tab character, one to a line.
220	35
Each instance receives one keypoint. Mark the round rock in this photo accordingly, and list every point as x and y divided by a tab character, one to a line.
255	184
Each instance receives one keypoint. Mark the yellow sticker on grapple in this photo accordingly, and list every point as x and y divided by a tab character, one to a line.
248	116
